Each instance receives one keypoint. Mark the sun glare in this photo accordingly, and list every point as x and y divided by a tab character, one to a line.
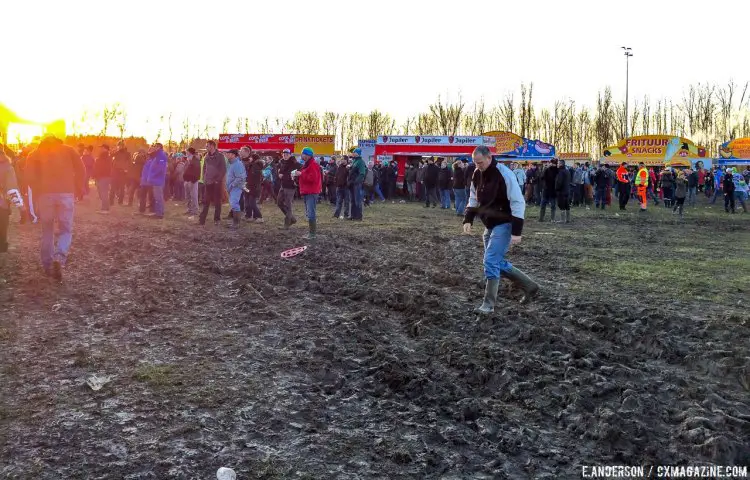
19	133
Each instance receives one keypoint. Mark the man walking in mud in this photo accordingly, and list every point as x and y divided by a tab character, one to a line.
497	200
56	174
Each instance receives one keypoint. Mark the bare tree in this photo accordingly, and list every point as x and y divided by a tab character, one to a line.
603	125
508	113
305	123
426	124
530	124
583	133
330	123
225	125
689	108
264	126
447	116
408	126
161	128
108	115
185	134
646	116
121	121
170	129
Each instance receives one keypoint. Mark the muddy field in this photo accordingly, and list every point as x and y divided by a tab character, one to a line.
361	358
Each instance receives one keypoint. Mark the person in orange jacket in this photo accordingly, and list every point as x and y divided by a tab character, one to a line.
641	183
623	184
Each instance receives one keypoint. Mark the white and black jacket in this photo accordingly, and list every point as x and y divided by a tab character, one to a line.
496	198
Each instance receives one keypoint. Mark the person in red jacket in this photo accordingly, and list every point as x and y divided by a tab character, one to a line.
310	186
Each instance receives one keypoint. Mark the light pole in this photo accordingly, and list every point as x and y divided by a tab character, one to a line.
628	54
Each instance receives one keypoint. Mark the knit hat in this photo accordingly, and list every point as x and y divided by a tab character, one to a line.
357	152
308	151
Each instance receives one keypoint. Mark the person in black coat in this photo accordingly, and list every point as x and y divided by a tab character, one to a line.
445	180
562	191
254	188
431	177
601	184
549	196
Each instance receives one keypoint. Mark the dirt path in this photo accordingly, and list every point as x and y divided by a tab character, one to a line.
361	358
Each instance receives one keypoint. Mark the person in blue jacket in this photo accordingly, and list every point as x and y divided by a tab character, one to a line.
235	180
153	178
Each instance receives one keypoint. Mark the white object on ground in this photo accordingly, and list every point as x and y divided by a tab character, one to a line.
96	383
225	473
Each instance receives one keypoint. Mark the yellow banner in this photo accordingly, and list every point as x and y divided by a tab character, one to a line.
322	145
505	142
575	156
654	150
738	148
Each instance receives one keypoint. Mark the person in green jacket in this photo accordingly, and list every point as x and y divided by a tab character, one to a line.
357	174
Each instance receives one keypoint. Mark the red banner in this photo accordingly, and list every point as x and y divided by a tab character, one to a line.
256	141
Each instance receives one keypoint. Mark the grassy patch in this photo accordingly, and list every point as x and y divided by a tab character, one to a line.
696	279
156	375
7	334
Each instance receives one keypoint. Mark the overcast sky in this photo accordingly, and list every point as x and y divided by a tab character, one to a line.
273	57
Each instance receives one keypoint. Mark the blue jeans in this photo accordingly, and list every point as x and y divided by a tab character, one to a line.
342	200
379	193
717	192
460	194
158	200
311	203
496	244
445	198
358	198
56	207
235	194
601	197
102	186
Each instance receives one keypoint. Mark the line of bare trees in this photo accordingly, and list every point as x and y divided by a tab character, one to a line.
708	114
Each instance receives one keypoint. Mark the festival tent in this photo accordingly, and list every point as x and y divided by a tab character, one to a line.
736	152
405	148
263	143
512	147
657	151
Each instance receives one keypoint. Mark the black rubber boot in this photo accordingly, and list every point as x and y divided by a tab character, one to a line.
313	228
235	222
490	297
541	213
529	287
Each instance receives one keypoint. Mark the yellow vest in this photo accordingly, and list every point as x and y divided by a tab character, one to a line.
642	177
